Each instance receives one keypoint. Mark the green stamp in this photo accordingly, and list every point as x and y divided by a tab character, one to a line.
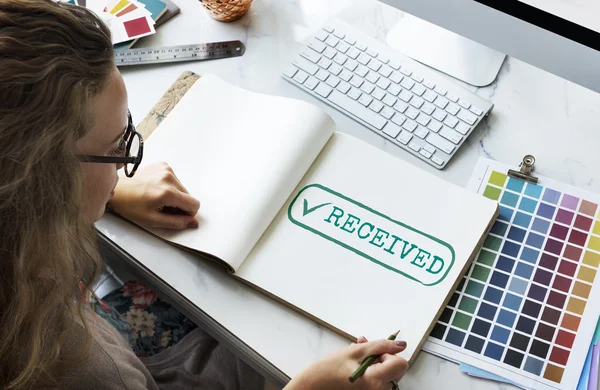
376	237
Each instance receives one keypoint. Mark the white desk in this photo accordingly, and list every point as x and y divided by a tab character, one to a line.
535	113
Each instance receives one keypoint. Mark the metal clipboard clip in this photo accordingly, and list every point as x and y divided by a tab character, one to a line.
524	173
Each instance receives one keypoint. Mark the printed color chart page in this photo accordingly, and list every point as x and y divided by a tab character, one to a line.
528	306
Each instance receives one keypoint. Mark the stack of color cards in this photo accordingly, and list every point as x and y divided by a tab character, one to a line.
127	19
528	306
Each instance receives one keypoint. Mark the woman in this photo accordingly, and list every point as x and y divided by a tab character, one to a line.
63	110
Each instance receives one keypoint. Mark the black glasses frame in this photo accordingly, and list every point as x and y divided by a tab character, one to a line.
130	135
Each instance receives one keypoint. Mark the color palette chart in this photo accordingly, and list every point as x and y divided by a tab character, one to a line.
528	306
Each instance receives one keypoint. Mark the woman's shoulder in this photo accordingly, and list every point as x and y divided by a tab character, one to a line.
110	364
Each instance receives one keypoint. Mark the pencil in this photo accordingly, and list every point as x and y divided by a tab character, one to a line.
366	363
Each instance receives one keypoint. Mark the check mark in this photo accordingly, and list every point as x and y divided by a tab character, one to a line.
310	210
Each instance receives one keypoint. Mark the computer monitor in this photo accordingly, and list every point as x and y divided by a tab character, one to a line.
559	36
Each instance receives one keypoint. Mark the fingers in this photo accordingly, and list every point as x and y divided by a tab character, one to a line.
361	340
392	368
379	347
180	200
172	221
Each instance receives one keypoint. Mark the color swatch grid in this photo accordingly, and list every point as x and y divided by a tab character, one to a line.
521	303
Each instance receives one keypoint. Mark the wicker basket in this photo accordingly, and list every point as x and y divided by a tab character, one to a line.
226	10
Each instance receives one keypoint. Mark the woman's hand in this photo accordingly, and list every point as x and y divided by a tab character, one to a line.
332	372
154	197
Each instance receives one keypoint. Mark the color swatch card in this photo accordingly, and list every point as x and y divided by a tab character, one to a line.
527	308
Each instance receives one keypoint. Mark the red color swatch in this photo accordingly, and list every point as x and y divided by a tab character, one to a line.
137	27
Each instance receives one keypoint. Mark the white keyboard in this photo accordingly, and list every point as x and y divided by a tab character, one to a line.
391	94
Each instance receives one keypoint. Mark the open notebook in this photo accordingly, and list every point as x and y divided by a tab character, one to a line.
339	230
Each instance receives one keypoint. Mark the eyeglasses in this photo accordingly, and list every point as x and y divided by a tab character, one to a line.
134	150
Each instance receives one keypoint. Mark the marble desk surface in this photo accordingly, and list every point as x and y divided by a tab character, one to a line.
535	113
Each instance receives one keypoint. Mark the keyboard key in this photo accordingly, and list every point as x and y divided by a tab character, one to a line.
360	46
383	83
392	130
405	95
409	125
354	93
328	28
466	116
385	71
450	135
418	90
404	137
372	76
462	128
400	106
411	113
394	89
305	65
322	75
378	93
332	41
361	71
396	77
428	108
329	53
322	35
290	71
323	90
350	40
439	114
441	91
363	59
421	132
335	69
351	65
476	111
374	65
418	78
383	58
440	143
453	109
429	84
387	112
342	47
429	148
333	81
390	100
405	71
394	65
311	83
430	96
372	53
367	87
464	104
434	126
425	153
353	53
317	46
423	119
365	99
441	102
399	119
346	75
414	146
324	63
343	87
340	58
339	34
300	77
451	121
416	102
376	105
357	109
356	81
407	83
452	98
437	160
